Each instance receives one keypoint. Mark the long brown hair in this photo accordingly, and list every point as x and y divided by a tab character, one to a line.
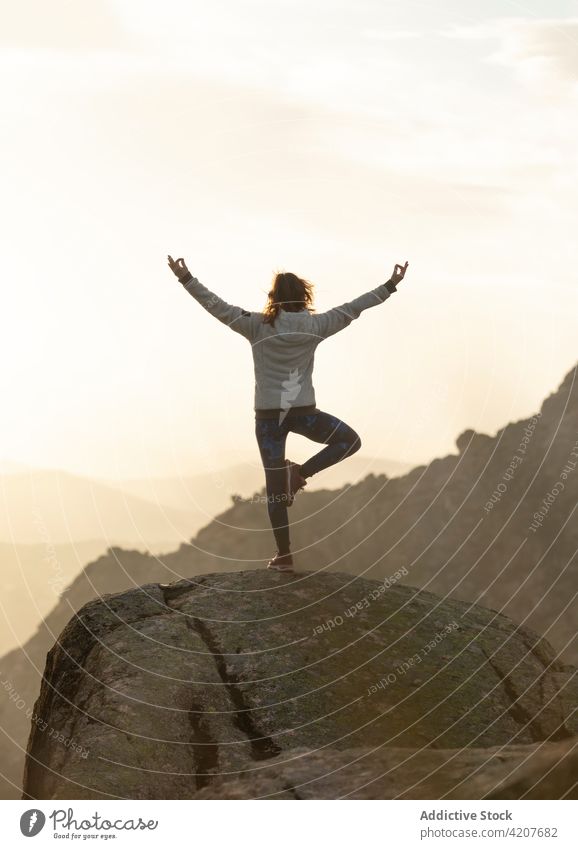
288	292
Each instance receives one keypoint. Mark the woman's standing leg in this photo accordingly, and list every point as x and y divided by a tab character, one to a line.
340	440
271	439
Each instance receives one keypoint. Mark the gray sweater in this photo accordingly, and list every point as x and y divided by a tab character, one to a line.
283	354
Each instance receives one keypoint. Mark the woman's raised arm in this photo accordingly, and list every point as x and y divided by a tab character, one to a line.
240	320
338	318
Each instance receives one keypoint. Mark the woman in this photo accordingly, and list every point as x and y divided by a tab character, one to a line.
284	338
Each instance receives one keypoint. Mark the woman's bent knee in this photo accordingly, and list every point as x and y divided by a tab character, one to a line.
355	443
350	445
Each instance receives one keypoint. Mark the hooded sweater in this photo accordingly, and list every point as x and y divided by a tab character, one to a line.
283	353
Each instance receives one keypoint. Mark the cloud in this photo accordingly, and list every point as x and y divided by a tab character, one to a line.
546	47
390	35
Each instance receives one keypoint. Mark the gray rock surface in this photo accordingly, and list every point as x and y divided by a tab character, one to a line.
537	771
164	692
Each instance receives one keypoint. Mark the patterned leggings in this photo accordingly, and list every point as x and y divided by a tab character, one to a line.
340	441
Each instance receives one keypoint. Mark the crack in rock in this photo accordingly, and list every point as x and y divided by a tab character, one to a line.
262	747
204	745
293	792
538	649
205	748
517	710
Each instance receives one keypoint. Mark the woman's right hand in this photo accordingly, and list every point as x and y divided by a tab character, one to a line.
178	267
398	273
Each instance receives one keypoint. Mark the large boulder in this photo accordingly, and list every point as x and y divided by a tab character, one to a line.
166	690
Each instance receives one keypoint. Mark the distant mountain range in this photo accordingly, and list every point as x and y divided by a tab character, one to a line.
52	523
58	507
212	491
33	577
41	505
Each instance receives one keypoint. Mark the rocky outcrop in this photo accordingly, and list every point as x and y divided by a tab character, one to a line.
431	521
537	771
171	691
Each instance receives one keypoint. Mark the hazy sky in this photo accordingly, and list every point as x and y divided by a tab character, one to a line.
332	139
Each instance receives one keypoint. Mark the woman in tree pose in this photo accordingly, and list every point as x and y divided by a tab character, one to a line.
284	338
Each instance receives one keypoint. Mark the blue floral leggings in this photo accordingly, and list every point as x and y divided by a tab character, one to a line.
340	441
